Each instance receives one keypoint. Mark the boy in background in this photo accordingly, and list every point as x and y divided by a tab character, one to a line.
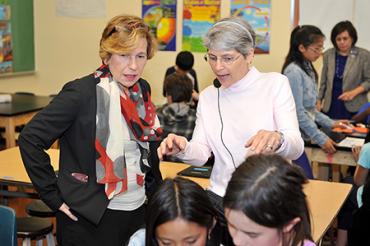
184	65
176	116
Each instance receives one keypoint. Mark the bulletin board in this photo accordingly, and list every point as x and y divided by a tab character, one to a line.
17	52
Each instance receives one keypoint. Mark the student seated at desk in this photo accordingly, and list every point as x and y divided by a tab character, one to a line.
265	204
176	116
184	66
179	213
345	215
359	233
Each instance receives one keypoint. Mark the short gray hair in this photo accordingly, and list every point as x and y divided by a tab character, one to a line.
231	33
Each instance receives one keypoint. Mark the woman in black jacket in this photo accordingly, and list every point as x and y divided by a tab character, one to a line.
105	123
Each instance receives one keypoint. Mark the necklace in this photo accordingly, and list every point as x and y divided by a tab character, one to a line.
340	63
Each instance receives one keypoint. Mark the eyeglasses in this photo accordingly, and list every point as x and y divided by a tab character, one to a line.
228	60
317	50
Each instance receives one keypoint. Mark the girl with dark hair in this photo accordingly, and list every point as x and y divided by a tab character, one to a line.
306	45
345	78
180	213
265	204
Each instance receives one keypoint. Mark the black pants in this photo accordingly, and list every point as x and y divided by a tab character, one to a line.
220	233
114	229
345	215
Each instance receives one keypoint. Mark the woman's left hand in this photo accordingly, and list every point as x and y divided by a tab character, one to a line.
349	95
264	142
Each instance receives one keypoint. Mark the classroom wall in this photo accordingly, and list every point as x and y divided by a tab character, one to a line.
67	48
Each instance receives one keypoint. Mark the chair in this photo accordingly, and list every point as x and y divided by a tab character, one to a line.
33	228
39	209
8	226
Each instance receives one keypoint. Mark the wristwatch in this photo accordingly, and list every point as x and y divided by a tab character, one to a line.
282	139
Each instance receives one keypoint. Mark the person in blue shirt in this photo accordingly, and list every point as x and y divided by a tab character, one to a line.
306	45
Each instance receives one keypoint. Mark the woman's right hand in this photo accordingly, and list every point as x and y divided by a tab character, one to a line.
329	146
65	209
171	145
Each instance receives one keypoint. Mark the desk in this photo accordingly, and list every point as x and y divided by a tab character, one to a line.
323	160
340	157
324	198
18	112
12	171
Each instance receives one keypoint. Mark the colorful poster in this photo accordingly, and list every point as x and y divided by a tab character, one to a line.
6	50
258	14
198	17
160	16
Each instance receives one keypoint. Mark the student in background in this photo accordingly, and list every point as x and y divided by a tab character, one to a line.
265	204
243	113
363	167
176	116
346	213
359	233
306	45
180	213
345	77
106	124
184	65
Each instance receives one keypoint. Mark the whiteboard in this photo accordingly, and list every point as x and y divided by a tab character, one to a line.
326	13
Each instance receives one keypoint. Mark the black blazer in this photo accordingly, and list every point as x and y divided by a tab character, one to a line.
71	118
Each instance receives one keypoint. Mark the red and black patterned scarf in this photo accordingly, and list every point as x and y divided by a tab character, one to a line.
138	113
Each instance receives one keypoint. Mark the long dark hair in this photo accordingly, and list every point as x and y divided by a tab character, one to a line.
302	35
269	191
175	198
